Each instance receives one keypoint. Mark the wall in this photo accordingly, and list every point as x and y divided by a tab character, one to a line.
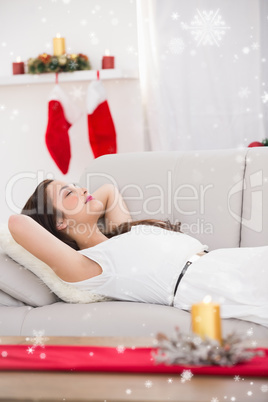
27	29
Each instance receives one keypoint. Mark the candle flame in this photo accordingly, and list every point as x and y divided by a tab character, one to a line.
18	59
207	299
107	52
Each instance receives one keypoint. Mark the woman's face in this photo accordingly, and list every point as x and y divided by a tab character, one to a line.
74	202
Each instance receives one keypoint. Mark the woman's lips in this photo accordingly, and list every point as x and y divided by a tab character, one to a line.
89	198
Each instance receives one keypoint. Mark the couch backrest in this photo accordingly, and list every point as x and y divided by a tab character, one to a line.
202	189
254	225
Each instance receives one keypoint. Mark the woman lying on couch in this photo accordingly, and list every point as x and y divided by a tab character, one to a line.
144	261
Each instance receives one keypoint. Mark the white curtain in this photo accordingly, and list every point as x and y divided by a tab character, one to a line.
203	69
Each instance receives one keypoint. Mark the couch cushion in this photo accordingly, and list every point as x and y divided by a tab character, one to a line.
11	320
9	301
207	196
254	231
47	276
194	188
122	319
23	285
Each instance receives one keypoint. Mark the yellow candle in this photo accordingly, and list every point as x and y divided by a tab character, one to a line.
58	45
206	319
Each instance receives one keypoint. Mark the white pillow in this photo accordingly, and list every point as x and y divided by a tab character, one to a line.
66	292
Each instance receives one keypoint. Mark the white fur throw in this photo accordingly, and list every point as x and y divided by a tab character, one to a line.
64	291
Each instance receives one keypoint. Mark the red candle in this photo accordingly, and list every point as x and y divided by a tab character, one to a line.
107	61
18	67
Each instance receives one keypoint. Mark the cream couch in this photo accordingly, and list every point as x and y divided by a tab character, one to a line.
220	197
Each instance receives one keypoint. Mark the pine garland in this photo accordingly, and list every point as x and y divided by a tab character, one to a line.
45	63
183	349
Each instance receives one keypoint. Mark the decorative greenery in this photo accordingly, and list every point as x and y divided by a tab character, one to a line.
46	63
192	350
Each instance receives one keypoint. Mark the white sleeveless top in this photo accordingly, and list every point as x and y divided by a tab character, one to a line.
142	265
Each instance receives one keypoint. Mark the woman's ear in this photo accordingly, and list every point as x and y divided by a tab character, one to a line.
61	224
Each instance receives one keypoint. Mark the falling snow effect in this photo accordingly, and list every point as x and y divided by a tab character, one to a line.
175	16
244	93
38	340
265	97
250	332
207	27
186	375
120	349
148	384
77	93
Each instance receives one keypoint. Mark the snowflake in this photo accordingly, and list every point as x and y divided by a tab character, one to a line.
176	45
246	50
148	384
186	375
175	16
93	38
265	97
207	27
250	330
73	65
38	339
77	93
244	93
254	343
237	378
120	349
255	46
235	58
264	388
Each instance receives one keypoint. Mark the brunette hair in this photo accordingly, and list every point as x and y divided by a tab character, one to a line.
39	207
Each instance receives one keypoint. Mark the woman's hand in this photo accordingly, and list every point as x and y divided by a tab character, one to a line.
115	209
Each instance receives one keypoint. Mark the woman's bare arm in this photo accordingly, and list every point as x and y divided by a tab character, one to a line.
116	210
66	262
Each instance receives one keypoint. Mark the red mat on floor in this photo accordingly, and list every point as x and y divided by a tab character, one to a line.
111	359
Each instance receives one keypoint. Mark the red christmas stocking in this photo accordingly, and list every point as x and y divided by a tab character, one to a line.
101	130
61	115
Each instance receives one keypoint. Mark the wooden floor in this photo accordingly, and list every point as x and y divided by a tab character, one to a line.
118	387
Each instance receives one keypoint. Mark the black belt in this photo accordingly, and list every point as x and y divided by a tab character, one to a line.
184	269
